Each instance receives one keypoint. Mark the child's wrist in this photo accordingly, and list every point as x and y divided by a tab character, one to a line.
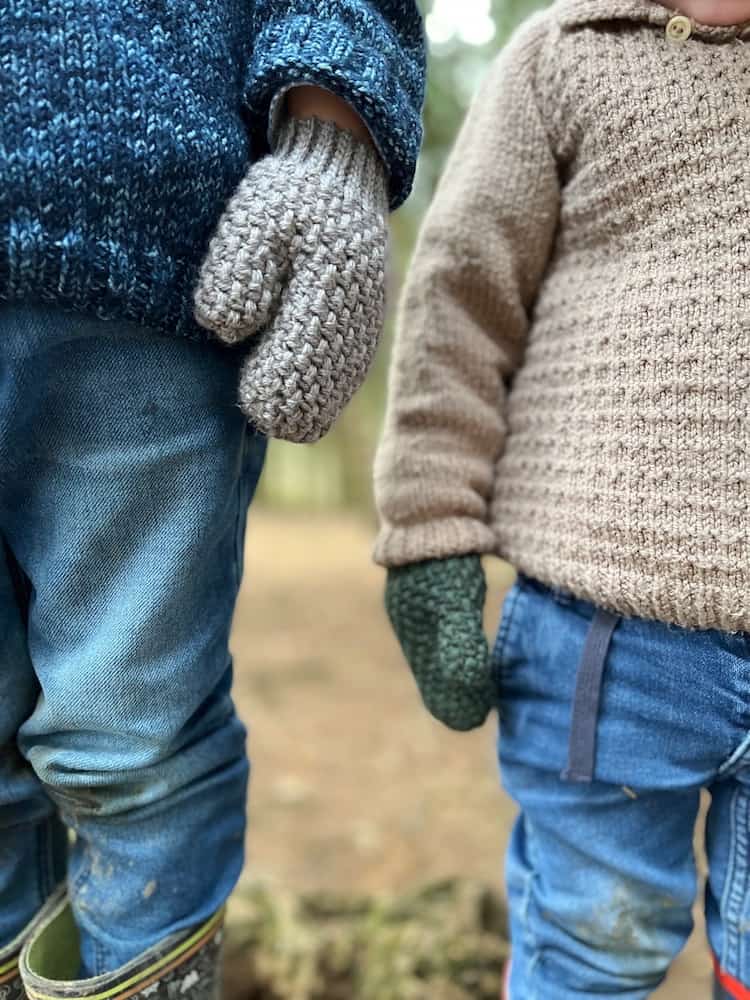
307	101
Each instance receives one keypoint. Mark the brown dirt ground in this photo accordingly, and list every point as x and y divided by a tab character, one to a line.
354	786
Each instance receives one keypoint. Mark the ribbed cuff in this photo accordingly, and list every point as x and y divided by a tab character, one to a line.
381	74
325	150
454	536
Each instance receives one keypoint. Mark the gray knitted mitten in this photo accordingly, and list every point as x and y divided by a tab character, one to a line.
435	608
300	254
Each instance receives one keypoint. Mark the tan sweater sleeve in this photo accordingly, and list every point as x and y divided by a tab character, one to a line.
463	318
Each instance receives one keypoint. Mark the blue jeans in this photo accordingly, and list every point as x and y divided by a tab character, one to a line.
600	873
126	471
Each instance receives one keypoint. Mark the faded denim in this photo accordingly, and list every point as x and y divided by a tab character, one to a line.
126	470
601	876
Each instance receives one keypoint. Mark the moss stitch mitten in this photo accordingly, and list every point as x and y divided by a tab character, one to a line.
435	608
299	256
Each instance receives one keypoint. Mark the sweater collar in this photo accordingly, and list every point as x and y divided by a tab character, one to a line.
578	12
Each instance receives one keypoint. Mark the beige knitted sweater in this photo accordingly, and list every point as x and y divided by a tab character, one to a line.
571	380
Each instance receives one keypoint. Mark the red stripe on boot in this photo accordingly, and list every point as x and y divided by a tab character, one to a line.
505	995
733	986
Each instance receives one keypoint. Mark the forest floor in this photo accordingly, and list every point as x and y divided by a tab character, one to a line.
354	787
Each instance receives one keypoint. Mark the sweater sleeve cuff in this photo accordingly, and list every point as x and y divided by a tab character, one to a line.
456	536
382	80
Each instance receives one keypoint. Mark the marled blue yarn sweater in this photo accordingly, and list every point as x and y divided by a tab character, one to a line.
127	124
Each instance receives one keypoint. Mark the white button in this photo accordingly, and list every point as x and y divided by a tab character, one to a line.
679	28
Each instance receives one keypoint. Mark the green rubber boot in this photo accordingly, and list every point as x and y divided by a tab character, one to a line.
11	986
185	965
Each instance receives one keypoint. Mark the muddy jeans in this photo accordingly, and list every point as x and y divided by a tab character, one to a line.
600	870
126	470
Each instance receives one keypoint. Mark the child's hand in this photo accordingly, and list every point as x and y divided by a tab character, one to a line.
299	255
435	608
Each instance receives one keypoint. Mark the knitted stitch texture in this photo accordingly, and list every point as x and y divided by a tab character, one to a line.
435	608
128	125
300	255
570	382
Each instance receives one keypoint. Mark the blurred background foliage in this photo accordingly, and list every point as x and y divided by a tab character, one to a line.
464	36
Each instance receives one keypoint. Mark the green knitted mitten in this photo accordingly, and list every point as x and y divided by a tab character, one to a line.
435	608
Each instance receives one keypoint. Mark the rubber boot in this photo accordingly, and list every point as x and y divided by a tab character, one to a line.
11	987
185	965
720	993
505	991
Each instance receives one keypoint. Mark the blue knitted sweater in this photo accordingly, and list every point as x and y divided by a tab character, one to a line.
127	124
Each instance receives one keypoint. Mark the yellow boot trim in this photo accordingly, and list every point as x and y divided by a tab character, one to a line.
184	950
8	970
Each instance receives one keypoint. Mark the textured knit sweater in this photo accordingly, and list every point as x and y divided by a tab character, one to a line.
127	125
571	381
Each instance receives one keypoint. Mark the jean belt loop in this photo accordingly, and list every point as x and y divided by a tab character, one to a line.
584	717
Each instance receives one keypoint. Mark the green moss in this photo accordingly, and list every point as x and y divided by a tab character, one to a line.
447	941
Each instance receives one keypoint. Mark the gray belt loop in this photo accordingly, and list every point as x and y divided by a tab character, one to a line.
582	746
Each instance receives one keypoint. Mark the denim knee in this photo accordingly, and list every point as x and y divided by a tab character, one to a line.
96	780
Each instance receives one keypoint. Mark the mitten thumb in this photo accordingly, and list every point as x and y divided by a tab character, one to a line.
247	263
